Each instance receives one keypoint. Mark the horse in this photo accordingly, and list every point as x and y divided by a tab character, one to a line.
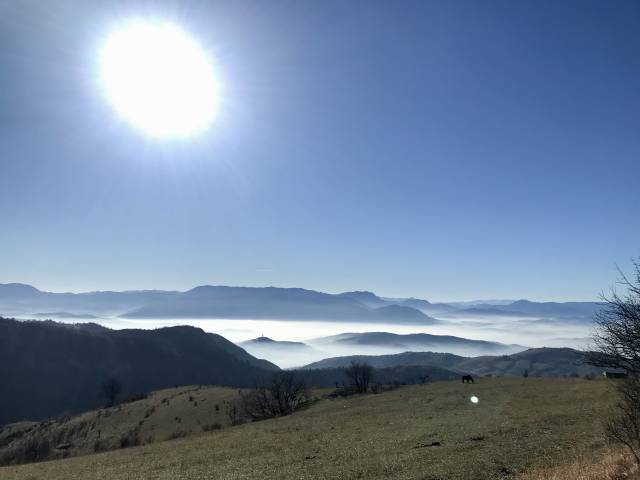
467	379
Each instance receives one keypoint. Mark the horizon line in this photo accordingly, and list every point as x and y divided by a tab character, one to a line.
381	296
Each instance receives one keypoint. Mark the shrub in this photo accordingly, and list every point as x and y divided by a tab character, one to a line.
380	388
212	426
360	376
282	394
130	439
177	434
233	412
32	449
100	446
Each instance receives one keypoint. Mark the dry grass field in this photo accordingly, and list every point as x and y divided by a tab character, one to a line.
163	415
428	432
608	465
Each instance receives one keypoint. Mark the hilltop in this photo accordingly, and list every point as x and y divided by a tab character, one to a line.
266	341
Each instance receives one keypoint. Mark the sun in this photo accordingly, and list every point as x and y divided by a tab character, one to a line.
159	79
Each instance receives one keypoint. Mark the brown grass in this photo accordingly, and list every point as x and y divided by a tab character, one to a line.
606	466
163	415
422	432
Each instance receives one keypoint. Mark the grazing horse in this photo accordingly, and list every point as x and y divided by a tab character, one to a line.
467	379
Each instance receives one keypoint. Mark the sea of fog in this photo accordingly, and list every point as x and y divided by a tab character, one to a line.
529	332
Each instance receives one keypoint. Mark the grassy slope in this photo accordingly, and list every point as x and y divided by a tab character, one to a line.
518	425
163	415
612	465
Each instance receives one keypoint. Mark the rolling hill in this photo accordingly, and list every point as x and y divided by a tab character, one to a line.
295	354
396	343
565	310
47	368
162	415
423	432
538	362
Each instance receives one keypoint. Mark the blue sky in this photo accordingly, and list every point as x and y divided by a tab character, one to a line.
444	150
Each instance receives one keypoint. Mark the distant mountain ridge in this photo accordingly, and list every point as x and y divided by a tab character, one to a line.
367	298
19	299
372	300
544	362
527	308
414	342
209	301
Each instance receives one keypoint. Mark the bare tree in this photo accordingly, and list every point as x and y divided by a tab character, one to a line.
282	394
617	338
624	426
110	390
232	409
617	342
360	375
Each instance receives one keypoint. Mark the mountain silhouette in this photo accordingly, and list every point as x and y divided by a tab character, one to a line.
48	368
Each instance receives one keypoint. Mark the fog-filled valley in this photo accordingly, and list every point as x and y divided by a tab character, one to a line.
513	332
297	326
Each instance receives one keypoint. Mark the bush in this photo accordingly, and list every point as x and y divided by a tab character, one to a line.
232	409
130	439
212	426
380	388
282	394
177	434
32	449
100	446
360	376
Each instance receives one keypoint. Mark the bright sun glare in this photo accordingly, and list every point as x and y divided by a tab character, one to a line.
159	79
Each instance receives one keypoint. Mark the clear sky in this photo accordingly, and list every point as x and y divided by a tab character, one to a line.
445	150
